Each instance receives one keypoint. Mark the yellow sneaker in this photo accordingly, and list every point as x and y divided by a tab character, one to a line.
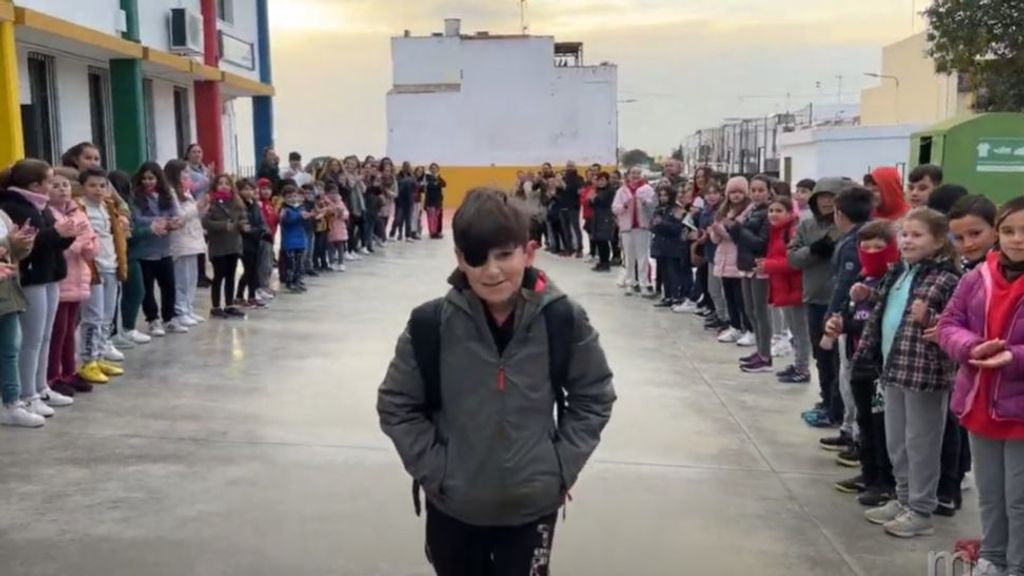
109	368
92	373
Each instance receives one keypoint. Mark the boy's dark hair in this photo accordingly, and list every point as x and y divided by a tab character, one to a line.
245	183
309	188
877	230
974	205
944	197
294	157
94	172
604	175
289	189
856	204
486	221
781	188
806	183
933	172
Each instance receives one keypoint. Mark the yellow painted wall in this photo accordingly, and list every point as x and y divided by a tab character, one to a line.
922	96
12	147
462	179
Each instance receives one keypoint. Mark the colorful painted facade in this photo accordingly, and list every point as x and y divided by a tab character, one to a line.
106	71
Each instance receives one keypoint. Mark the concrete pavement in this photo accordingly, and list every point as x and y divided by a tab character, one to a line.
252	449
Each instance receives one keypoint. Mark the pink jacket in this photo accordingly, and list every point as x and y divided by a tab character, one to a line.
339	229
76	285
623	204
725	254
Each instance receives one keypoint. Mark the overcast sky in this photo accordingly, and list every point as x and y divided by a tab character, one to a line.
687	63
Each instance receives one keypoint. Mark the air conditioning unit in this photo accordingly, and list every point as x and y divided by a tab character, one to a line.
186	27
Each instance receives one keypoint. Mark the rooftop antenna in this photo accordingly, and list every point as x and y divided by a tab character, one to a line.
522	18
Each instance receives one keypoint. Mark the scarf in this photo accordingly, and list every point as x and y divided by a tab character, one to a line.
219	196
633	187
1011	270
876	264
38	200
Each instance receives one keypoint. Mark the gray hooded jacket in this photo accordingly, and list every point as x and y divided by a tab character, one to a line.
492	455
818	280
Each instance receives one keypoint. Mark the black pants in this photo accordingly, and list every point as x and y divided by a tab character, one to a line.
538	228
250	276
292	264
604	249
202	267
320	251
733	288
458	549
827	362
670	270
162	272
401	223
224	270
955	461
875	465
572	236
701	290
354	233
588	227
617	246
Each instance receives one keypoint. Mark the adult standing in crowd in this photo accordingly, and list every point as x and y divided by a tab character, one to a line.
199	177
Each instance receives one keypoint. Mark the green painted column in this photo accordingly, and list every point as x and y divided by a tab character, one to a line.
129	114
126	98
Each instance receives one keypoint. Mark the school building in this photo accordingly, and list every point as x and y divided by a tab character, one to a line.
141	79
484	106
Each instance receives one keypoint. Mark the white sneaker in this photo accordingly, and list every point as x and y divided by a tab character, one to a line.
176	327
185	320
112	354
782	347
987	568
138	337
621	282
56	399
747	340
349	257
687	307
156	328
38	407
339	267
264	294
197	318
364	252
123	342
17	415
730	336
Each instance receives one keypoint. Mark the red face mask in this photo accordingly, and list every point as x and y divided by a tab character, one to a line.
876	264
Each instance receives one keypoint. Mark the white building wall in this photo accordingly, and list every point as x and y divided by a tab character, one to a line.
846	151
73	101
244	27
102	15
514	106
426	60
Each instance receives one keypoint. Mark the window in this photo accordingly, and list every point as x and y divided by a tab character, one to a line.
182	120
226	10
99	112
38	118
147	104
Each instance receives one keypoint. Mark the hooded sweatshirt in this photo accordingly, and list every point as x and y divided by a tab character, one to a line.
817	279
634	206
890	187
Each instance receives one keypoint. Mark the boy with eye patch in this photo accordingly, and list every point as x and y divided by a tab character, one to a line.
492	458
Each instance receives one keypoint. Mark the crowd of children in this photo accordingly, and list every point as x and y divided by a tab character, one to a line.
82	250
907	300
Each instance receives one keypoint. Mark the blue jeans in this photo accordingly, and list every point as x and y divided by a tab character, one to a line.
10	344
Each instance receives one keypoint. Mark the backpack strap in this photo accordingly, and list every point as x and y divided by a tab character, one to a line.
560	320
425	331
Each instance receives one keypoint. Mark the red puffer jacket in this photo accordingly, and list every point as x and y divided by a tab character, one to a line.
785	286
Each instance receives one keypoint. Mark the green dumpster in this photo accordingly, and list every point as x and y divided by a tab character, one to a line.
983	152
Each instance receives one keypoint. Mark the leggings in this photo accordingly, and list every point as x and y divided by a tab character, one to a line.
336	252
186	275
10	344
224	269
162	272
61	367
717	292
132	292
250	276
755	301
36	330
738	319
266	266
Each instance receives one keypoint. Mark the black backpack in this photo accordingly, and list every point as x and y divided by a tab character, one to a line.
425	331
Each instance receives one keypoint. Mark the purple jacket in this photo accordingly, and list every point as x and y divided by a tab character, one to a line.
962	327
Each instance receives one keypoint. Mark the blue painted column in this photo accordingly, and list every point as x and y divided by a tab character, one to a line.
263	106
